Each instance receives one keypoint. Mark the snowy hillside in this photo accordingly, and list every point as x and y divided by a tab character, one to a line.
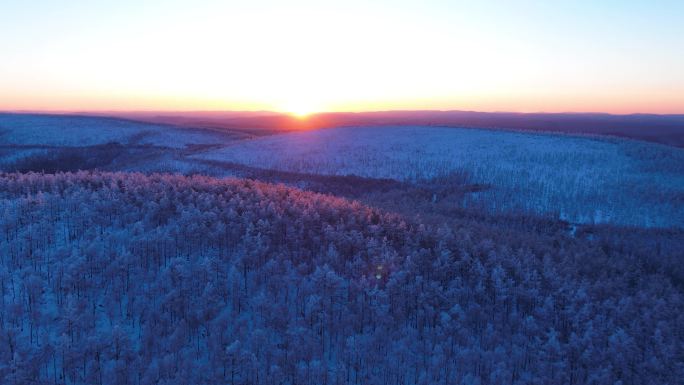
68	143
66	130
120	278
580	179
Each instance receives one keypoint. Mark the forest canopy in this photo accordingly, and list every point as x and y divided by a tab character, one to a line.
123	278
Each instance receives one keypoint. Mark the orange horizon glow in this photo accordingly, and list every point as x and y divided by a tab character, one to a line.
673	106
306	57
621	101
625	103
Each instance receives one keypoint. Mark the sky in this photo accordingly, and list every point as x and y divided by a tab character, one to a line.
310	56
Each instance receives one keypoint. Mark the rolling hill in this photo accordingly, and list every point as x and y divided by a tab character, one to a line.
126	278
579	179
30	142
663	129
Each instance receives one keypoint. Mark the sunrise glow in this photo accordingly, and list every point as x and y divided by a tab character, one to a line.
341	192
303	56
300	113
298	108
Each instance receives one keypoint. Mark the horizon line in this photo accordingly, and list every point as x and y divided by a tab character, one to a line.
285	113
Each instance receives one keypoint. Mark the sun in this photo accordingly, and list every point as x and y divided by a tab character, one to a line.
300	110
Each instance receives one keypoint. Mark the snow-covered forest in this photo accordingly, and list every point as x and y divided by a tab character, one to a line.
73	130
53	143
125	278
344	192
137	253
580	179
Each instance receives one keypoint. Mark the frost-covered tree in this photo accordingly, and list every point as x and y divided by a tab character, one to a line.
113	278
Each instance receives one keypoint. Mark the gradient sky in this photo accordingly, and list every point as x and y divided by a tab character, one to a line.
612	56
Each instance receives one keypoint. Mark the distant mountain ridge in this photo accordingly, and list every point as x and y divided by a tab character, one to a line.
664	129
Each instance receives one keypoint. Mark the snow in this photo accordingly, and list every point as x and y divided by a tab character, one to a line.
62	130
578	179
113	278
582	179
